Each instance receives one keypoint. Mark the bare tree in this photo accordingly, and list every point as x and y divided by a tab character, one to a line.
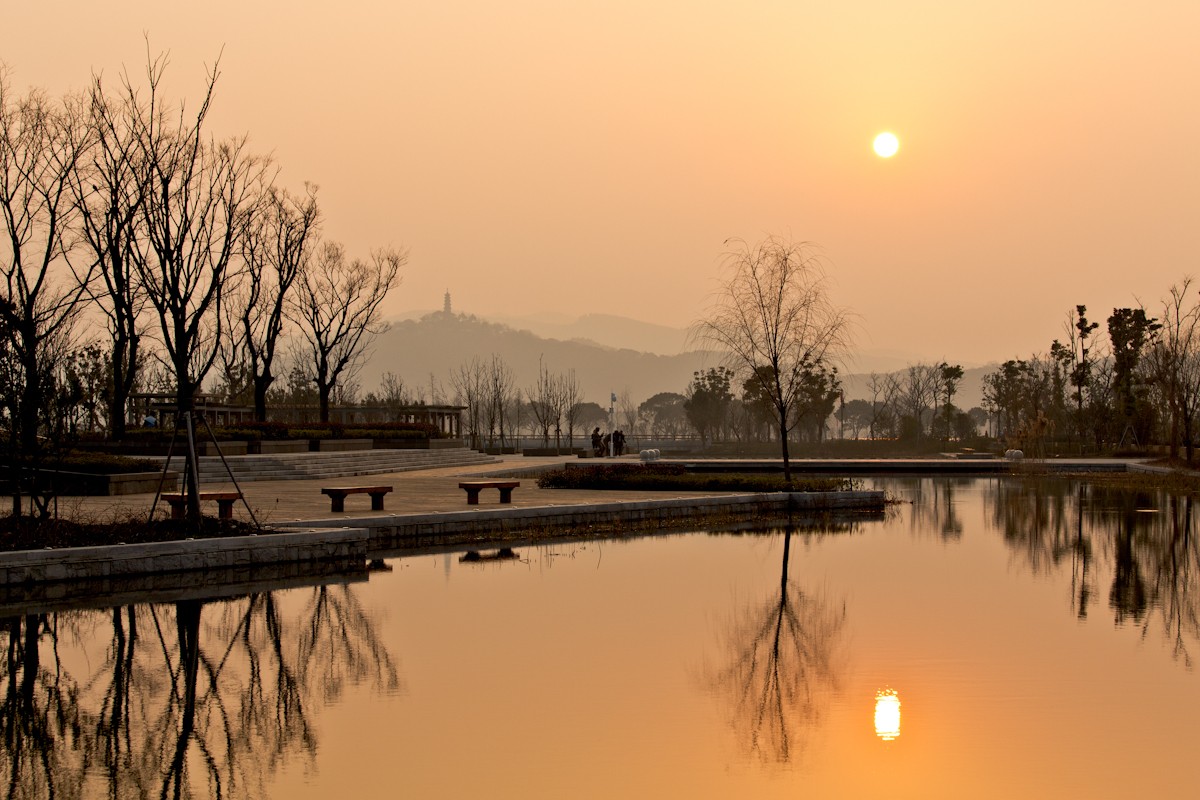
628	412
277	244
568	396
41	145
774	312
541	397
194	215
1174	361
917	394
499	394
110	187
392	392
470	382
876	384
336	307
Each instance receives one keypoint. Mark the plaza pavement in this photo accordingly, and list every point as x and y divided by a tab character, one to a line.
413	492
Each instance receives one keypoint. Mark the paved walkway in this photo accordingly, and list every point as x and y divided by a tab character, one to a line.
414	492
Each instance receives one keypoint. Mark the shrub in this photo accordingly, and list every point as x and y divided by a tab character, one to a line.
256	431
375	433
393	430
102	464
310	433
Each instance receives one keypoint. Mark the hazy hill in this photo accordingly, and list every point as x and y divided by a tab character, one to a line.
624	333
438	344
607	330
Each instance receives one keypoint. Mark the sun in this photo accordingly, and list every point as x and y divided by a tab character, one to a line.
886	145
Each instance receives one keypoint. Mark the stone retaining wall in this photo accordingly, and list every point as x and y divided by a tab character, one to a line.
392	530
346	545
328	540
173	587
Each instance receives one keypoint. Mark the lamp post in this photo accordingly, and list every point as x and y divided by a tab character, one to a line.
612	419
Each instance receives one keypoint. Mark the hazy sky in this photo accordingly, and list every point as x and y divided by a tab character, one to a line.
585	156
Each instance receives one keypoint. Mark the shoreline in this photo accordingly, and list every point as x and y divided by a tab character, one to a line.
440	523
357	540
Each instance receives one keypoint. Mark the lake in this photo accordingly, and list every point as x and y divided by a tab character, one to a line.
991	638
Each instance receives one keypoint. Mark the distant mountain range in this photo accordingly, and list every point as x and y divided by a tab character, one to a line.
439	343
606	330
609	353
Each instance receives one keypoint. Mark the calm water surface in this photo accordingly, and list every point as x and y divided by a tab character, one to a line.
990	639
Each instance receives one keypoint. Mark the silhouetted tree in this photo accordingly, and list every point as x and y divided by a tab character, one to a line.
336	306
470	384
41	287
664	413
949	377
110	187
277	245
774	312
1174	361
1130	331
194	215
707	401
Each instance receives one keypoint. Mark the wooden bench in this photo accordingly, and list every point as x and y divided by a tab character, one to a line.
473	488
225	501
337	495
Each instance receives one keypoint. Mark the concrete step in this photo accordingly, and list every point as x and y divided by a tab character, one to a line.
307	466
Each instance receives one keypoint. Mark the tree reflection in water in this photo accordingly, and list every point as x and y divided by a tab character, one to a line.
933	507
1141	543
193	699
39	712
783	651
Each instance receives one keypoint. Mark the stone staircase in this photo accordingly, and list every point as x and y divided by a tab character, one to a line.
314	466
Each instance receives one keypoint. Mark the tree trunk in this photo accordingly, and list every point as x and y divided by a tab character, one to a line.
185	402
323	392
261	384
1188	447
116	401
23	469
124	375
783	448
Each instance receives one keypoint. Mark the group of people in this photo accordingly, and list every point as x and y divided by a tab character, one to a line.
601	442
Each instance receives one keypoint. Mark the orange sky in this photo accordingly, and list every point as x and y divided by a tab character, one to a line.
586	156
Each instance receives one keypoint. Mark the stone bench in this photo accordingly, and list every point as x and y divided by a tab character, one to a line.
474	487
337	495
225	501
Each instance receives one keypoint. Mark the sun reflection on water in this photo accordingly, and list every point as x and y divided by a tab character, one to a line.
887	714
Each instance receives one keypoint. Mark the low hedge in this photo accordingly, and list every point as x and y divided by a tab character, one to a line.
675	477
98	464
276	431
254	431
158	434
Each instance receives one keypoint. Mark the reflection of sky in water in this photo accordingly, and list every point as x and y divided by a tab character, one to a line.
610	669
